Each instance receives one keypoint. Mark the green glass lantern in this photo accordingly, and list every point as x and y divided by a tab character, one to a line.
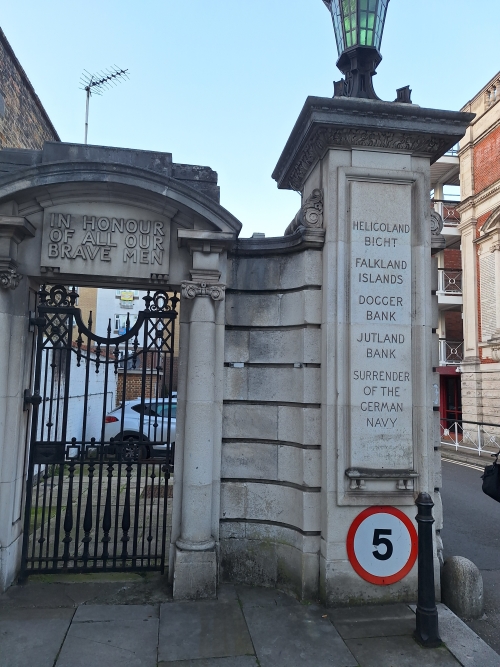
358	26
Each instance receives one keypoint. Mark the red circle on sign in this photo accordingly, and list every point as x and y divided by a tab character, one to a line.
359	569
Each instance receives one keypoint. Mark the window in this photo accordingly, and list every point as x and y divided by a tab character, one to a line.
121	322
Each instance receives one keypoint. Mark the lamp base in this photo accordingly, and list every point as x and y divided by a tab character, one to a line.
359	65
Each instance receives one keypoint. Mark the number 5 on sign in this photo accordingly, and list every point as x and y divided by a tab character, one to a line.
382	545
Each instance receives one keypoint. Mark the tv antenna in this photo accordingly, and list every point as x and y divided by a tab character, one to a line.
97	84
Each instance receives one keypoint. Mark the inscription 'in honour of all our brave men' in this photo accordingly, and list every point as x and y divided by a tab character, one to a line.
91	237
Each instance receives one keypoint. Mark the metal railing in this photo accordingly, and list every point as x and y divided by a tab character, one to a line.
451	352
447	209
473	436
450	282
454	150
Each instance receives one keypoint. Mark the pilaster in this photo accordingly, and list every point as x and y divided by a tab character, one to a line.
15	342
469	286
372	161
202	297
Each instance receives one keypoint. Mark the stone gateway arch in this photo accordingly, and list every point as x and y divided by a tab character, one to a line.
305	372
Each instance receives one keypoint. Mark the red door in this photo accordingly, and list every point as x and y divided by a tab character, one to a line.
451	400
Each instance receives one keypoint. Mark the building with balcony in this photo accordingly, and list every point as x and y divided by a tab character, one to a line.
469	266
445	181
479	228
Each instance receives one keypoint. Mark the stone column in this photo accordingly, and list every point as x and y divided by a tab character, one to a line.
372	161
14	343
14	378
469	285
195	569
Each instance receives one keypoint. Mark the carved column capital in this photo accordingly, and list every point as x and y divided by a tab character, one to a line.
13	230
10	279
190	290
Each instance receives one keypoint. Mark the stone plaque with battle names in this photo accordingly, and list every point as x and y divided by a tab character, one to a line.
380	331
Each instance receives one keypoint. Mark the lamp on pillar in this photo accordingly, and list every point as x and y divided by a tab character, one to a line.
358	26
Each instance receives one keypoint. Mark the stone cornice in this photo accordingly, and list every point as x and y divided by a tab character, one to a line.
344	122
468	224
205	241
479	198
303	238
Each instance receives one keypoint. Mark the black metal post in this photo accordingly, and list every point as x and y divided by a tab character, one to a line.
427	630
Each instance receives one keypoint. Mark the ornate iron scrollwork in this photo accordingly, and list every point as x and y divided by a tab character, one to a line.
58	296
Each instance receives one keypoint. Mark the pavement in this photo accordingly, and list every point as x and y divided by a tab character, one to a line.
132	621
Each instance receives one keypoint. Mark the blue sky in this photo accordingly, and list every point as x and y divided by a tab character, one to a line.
221	83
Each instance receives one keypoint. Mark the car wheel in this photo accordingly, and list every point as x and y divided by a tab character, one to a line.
135	440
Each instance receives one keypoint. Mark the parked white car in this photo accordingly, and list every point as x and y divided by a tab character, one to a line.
154	426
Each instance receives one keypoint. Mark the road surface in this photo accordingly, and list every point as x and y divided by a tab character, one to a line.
472	529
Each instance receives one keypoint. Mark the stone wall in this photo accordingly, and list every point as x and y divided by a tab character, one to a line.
481	393
271	452
24	123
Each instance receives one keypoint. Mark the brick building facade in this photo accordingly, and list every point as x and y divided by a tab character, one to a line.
480	244
24	123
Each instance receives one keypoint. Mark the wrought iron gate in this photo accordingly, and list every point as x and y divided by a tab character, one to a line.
97	496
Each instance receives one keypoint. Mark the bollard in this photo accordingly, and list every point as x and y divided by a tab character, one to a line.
427	630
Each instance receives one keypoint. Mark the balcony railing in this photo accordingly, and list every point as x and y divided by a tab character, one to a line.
447	209
454	150
474	436
450	282
451	352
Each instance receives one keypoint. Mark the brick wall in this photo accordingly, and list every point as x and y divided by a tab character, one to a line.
454	325
487	161
134	382
452	259
24	123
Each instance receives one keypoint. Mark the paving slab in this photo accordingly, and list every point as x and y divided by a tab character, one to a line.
227	593
399	652
373	621
294	636
250	596
53	591
32	636
203	629
114	636
239	661
57	595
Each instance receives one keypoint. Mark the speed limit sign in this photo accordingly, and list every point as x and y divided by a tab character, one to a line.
382	545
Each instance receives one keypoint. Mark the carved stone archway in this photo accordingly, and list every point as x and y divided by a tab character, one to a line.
102	217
